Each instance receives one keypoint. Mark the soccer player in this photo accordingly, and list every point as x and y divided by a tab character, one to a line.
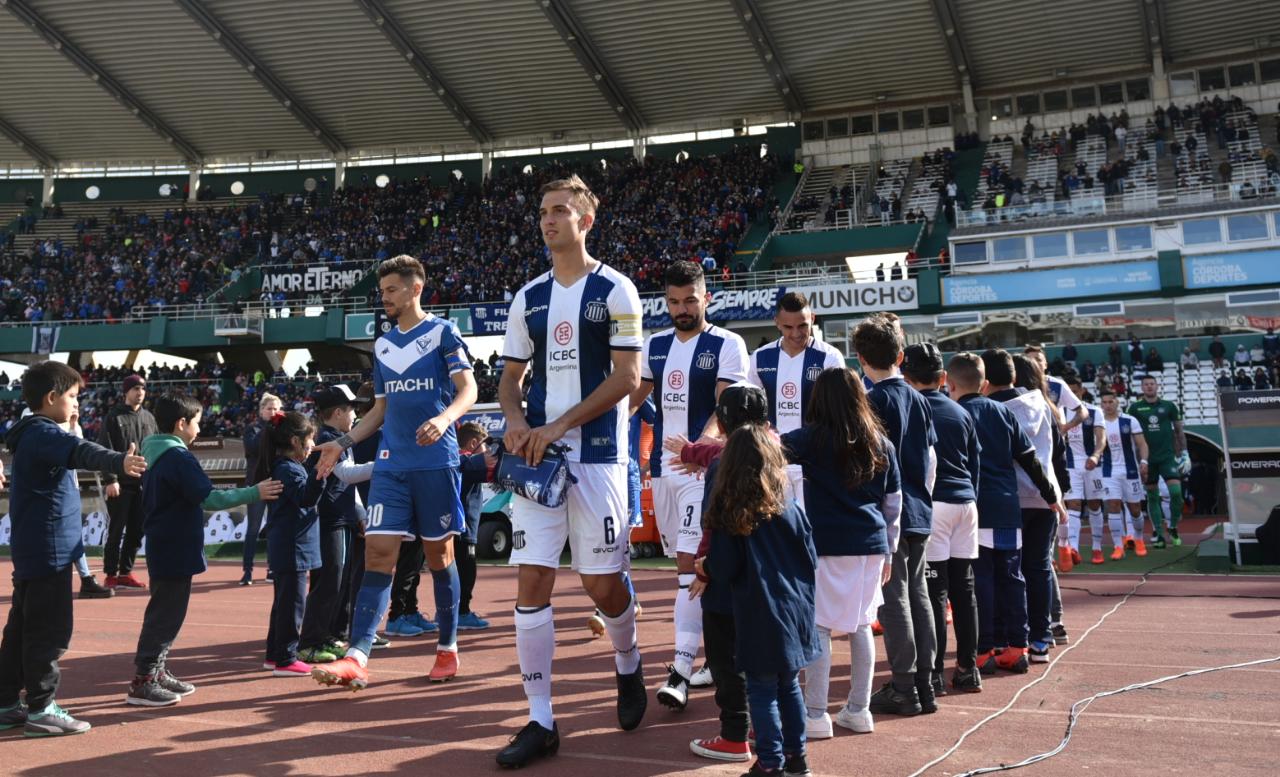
1085	445
910	641
953	536
685	368
578	328
420	371
1072	407
788	367
1124	462
1161	422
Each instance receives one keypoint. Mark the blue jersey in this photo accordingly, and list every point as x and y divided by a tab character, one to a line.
908	422
1002	439
567	335
958	450
413	372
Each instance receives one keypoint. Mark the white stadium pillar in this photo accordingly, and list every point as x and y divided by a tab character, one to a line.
46	188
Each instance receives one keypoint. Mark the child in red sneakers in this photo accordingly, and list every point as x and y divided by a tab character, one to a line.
293	534
762	546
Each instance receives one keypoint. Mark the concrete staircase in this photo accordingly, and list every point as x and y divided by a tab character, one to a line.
72	212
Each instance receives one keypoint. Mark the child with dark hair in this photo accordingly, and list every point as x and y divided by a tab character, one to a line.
293	535
853	493
762	546
175	494
44	506
739	405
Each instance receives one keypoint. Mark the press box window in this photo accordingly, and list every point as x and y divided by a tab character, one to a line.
970	253
1009	249
1201	231
1133	238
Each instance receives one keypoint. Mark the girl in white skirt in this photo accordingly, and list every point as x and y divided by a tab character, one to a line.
853	496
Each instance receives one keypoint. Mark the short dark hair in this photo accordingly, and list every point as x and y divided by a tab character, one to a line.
966	369
1107	391
999	366
403	265
172	408
793	302
471	430
685	273
1149	376
878	341
1072	378
1033	348
44	377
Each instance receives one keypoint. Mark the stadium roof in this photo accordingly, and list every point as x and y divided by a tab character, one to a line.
168	81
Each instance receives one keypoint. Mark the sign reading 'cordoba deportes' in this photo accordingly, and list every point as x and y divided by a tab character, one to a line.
1064	283
309	279
725	305
861	297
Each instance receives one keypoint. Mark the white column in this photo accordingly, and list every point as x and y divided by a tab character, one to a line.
486	164
1159	78
193	183
339	174
970	109
46	188
639	148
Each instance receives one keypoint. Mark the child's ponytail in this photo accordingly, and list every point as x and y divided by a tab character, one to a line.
277	437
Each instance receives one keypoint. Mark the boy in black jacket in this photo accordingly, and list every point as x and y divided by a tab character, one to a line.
46	540
175	494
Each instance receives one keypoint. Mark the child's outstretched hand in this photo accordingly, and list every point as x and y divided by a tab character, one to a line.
675	443
269	490
134	465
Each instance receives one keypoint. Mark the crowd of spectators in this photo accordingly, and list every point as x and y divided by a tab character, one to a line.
477	242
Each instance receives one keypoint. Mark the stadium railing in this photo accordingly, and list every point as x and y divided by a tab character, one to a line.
1097	205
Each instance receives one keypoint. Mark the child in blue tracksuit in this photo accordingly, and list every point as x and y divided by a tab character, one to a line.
762	546
175	494
44	506
293	535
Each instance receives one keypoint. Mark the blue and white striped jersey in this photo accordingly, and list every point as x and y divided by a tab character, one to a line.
684	377
566	334
1120	459
788	380
1080	438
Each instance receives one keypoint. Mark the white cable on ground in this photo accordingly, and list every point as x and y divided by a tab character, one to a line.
1073	714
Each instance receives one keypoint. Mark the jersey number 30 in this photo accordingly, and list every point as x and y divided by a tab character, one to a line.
375	516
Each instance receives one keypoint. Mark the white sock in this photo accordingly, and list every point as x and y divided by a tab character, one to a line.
1135	526
622	632
1117	529
536	645
817	677
359	655
862	665
1073	528
688	627
1095	528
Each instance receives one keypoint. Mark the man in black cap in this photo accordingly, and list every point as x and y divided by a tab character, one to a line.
127	424
953	541
339	521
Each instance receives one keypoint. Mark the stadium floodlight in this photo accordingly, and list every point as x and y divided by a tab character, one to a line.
863	268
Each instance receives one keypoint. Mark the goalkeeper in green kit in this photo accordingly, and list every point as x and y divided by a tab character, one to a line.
1162	426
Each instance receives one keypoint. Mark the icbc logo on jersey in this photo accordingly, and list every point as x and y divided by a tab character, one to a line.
563	334
789	390
676	379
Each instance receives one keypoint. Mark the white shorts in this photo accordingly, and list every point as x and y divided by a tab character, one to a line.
1086	484
848	592
677	506
954	533
1127	490
593	519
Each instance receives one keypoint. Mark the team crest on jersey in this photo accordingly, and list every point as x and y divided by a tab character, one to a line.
812	373
676	379
789	390
596	312
706	361
532	489
563	332
424	343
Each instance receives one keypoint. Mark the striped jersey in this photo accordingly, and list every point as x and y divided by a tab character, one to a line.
684	377
413	371
788	380
1062	396
1120	459
567	334
1080	438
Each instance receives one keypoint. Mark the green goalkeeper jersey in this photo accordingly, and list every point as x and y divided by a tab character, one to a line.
1157	419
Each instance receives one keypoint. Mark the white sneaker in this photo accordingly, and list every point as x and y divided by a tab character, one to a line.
701	678
675	694
818	728
859	721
